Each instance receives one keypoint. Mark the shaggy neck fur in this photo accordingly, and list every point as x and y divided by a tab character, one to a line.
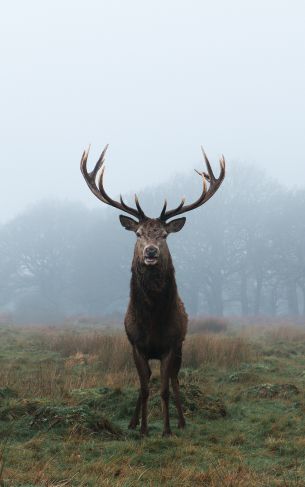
153	286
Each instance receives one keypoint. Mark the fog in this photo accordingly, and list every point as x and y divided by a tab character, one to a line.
241	254
154	80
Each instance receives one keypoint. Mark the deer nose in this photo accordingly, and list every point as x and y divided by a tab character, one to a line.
151	251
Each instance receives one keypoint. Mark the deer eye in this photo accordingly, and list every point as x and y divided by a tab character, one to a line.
138	234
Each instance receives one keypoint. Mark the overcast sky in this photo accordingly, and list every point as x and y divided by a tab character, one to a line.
154	80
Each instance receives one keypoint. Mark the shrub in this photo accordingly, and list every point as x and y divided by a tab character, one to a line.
209	324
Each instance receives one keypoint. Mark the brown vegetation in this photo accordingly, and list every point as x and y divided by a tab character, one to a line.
113	352
91	359
66	397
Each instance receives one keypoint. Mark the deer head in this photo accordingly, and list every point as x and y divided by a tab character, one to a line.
151	247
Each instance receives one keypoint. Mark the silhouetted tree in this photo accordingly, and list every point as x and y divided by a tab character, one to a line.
242	253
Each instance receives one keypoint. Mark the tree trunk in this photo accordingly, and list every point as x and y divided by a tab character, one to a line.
273	301
292	298
216	292
244	293
303	296
258	294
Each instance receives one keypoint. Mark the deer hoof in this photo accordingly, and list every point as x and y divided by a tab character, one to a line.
166	433
132	425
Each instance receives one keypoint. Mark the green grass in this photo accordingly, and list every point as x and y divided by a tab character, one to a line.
64	416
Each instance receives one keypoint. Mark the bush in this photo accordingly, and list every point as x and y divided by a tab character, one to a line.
210	324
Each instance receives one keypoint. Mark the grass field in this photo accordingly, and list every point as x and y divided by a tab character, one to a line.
67	394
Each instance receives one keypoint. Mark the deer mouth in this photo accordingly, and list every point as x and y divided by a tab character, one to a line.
150	261
151	254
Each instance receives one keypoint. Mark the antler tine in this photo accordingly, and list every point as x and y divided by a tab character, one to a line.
127	208
141	212
163	210
83	161
208	165
83	164
168	214
206	193
207	177
222	162
89	176
94	180
204	184
100	162
107	199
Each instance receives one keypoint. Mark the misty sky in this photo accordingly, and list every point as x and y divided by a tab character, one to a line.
154	80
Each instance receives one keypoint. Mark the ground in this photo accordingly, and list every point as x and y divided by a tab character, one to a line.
67	394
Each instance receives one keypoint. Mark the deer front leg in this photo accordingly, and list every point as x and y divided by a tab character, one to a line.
136	415
175	385
144	373
166	372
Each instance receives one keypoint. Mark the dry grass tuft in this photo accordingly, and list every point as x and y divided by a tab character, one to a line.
286	333
113	351
74	359
218	350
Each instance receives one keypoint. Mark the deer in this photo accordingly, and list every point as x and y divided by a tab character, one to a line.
156	320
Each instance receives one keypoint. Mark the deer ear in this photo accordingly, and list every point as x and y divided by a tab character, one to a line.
128	223
175	225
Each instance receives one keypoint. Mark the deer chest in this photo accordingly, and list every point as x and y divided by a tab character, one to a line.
154	340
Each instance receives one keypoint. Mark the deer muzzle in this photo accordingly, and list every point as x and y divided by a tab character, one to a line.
151	254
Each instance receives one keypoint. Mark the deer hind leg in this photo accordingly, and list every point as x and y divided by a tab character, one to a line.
175	385
144	373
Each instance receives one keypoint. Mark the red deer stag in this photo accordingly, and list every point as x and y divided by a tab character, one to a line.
156	321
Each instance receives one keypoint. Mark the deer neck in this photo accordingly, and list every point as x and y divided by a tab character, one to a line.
153	285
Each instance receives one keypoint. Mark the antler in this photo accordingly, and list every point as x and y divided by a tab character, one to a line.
206	193
94	179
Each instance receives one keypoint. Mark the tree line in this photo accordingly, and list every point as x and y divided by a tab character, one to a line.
243	253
